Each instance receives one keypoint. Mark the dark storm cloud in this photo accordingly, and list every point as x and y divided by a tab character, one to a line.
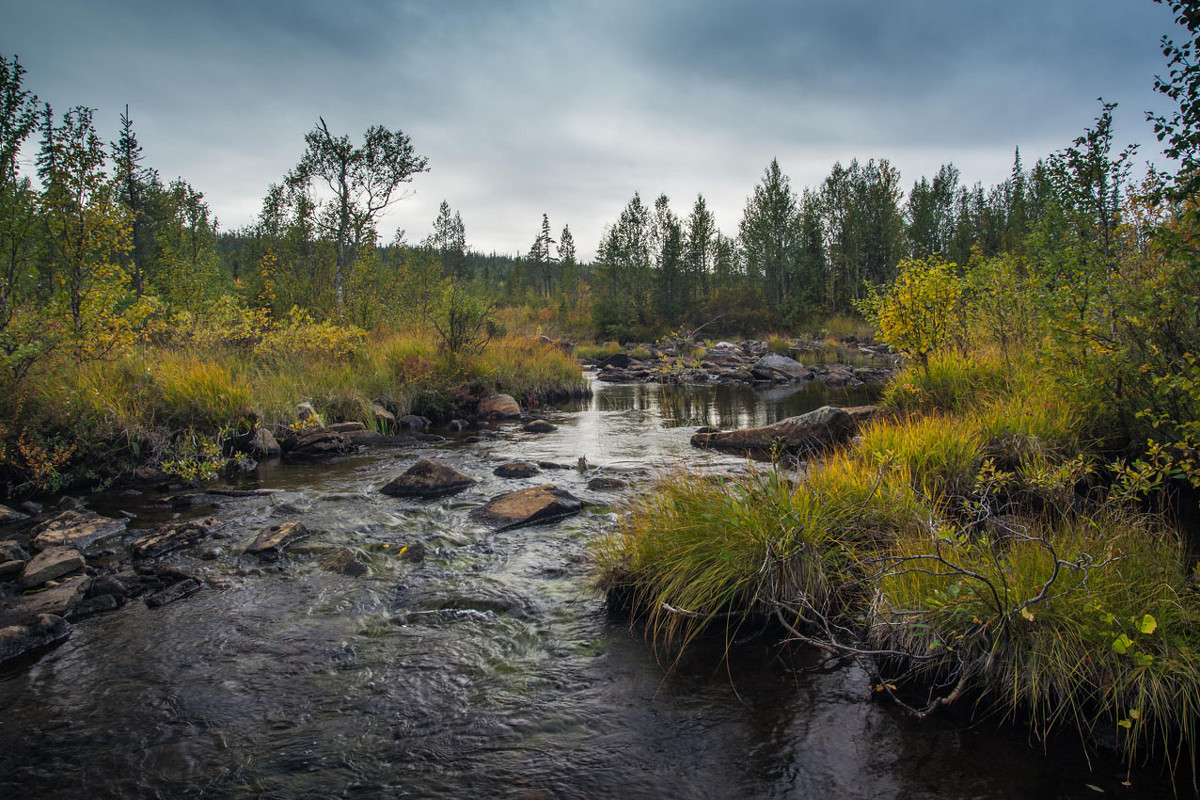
567	108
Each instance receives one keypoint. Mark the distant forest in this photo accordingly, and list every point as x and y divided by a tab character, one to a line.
98	244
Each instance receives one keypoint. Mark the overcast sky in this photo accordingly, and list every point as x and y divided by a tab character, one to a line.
526	107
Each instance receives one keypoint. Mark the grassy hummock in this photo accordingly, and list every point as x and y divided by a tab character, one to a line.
965	552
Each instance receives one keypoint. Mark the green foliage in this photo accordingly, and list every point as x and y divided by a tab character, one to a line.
921	311
462	319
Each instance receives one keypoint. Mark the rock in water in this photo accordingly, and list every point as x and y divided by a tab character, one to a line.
428	478
499	406
527	506
271	542
78	529
316	445
776	367
516	469
816	430
176	591
172	537
539	426
44	629
9	515
51	563
264	445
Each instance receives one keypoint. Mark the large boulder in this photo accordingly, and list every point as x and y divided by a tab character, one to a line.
527	506
78	529
826	427
428	478
499	406
776	367
42	630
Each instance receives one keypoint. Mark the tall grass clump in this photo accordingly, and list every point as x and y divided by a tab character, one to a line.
696	549
951	382
1086	621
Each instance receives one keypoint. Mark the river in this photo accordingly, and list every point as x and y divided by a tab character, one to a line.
489	669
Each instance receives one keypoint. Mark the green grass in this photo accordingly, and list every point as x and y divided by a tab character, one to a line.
158	399
959	542
1086	621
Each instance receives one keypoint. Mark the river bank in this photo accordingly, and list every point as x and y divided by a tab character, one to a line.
963	555
488	666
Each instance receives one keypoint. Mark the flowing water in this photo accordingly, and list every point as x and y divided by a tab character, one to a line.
489	669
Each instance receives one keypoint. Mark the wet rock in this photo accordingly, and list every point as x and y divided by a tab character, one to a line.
30	507
176	591
517	469
345	562
707	429
106	584
605	484
78	529
316	445
264	445
50	564
499	406
539	426
414	422
413	553
59	600
9	570
68	503
816	430
428	478
10	550
553	465
617	360
169	538
92	606
9	515
456	425
346	427
527	506
362	437
428	437
43	630
271	542
778	367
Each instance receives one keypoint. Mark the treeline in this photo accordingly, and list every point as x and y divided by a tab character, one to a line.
99	249
801	256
